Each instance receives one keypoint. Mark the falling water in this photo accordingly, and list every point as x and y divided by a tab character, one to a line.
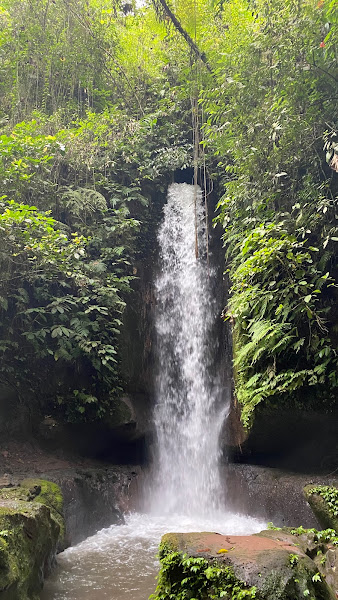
189	412
186	493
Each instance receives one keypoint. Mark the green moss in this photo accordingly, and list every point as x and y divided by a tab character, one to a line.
28	547
30	528
169	543
48	493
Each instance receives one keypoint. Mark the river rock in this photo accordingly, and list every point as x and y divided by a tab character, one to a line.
324	503
274	562
31	531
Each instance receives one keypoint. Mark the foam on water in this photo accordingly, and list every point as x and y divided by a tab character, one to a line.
119	563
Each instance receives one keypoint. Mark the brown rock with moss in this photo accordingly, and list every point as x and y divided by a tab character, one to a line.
31	532
271	565
323	500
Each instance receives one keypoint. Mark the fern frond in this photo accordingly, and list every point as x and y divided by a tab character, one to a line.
83	202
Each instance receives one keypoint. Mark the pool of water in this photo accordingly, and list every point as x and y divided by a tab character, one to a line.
119	563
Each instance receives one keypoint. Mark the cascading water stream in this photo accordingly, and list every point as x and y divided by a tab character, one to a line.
186	493
189	412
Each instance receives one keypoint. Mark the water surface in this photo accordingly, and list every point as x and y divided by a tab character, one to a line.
119	563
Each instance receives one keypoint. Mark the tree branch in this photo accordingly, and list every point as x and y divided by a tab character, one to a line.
183	33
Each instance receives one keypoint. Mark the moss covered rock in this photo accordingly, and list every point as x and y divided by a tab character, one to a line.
266	566
31	530
48	493
323	500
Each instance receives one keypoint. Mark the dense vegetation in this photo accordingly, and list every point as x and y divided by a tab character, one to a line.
183	576
97	101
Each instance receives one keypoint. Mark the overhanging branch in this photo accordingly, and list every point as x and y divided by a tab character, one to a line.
183	32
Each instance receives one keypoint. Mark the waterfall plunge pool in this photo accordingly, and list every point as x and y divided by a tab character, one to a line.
119	563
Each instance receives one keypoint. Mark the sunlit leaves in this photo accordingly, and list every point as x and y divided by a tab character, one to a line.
64	309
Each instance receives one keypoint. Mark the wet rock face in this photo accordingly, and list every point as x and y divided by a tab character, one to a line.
286	438
94	498
276	563
118	438
31	532
272	494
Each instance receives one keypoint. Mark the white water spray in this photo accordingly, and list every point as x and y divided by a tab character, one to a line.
189	411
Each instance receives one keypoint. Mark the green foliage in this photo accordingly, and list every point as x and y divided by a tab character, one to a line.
53	55
91	177
57	304
324	536
293	559
96	112
182	577
280	326
330	495
272	527
27	161
267	130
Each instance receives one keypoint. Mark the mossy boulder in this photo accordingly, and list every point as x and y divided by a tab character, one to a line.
323	500
320	546
48	493
31	531
270	565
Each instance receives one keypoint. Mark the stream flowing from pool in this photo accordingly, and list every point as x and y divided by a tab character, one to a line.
186	491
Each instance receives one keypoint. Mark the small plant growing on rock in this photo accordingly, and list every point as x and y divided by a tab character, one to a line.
4	533
330	495
324	536
183	577
272	527
293	559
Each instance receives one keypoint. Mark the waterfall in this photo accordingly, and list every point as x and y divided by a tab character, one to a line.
186	493
189	411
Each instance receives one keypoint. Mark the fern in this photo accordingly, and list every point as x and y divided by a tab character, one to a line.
83	203
266	337
264	385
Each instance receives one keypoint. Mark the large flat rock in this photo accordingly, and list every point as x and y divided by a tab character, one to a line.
277	563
